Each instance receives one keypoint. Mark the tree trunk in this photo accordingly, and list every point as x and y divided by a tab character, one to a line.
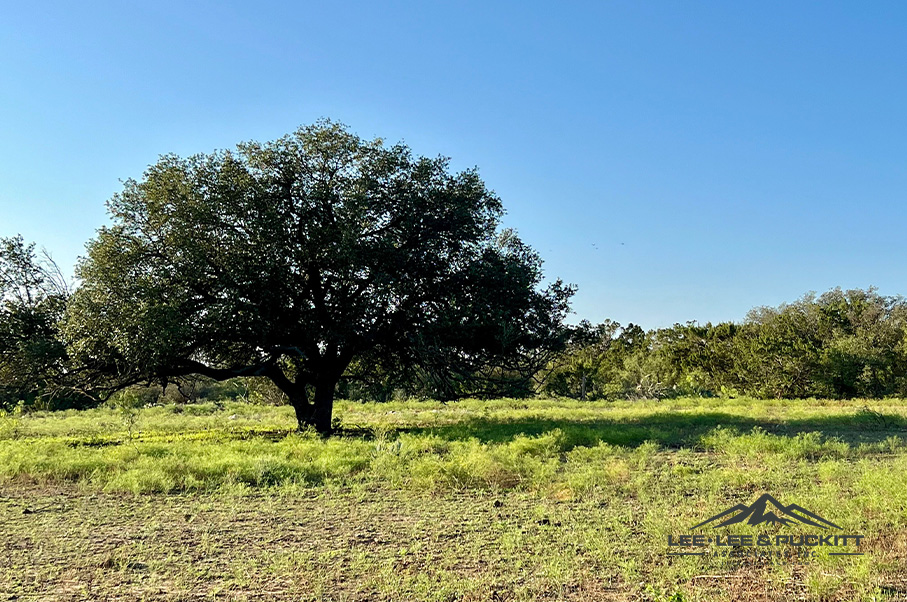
303	409
323	409
317	413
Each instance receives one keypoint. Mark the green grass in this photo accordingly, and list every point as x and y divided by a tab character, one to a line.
498	500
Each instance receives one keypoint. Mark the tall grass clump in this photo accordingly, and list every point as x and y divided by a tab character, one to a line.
757	443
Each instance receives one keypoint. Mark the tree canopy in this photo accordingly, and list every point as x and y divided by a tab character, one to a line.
296	258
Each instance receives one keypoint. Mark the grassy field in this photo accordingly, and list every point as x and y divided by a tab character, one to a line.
506	500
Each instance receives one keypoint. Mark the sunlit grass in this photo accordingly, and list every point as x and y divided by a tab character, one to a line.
537	445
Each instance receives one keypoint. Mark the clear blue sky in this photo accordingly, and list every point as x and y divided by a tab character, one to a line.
676	160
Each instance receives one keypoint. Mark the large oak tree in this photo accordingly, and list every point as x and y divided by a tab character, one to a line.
291	259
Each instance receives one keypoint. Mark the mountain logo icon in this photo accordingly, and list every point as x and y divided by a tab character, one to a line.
767	510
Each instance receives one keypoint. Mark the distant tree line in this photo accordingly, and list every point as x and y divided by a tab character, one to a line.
841	344
33	357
